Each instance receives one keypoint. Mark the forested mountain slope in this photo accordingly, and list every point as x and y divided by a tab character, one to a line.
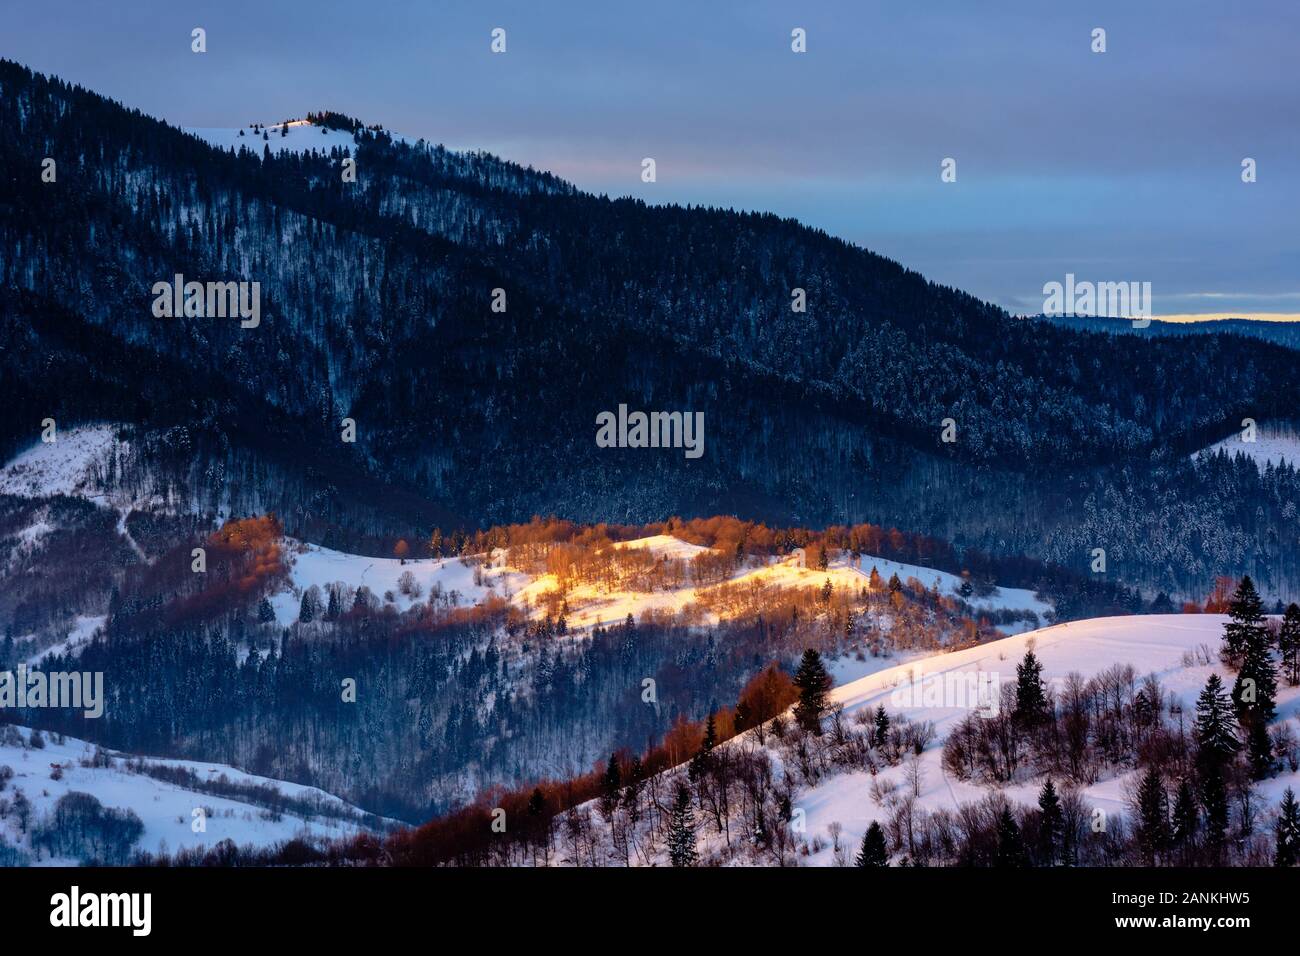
376	302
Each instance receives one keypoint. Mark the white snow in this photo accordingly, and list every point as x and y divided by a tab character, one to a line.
1166	645
314	565
70	465
299	136
1001	599
165	809
1270	447
664	546
81	631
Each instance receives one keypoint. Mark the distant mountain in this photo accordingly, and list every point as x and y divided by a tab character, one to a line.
377	305
1279	333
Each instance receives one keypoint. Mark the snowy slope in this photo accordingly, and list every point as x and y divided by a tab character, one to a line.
1181	650
165	809
1010	599
79	631
590	605
1270	447
1165	645
311	564
74	464
299	136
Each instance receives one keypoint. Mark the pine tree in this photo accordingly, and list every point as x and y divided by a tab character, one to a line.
1288	830
265	612
309	607
1288	643
1031	695
1215	740
611	787
1214	798
1011	846
1259	748
1255	692
882	726
813	683
1247	618
334	610
1052	827
699	764
1186	821
681	831
873	851
1153	817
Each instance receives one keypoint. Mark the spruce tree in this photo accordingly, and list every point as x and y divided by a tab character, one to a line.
873	851
813	683
1259	748
1214	798
1031	695
882	726
309	606
1052	827
681	831
1215	741
265	612
700	762
1255	692
1247	618
1288	830
1288	644
1011	846
1153	817
1186	821
611	786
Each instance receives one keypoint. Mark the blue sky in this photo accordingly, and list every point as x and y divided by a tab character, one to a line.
1120	166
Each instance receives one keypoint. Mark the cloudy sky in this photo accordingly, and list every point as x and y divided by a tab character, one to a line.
1118	166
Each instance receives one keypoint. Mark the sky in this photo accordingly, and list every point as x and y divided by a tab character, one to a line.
1119	166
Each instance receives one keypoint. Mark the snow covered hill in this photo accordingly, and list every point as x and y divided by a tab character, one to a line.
837	788
296	136
1273	444
78	463
257	811
475	578
1181	650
